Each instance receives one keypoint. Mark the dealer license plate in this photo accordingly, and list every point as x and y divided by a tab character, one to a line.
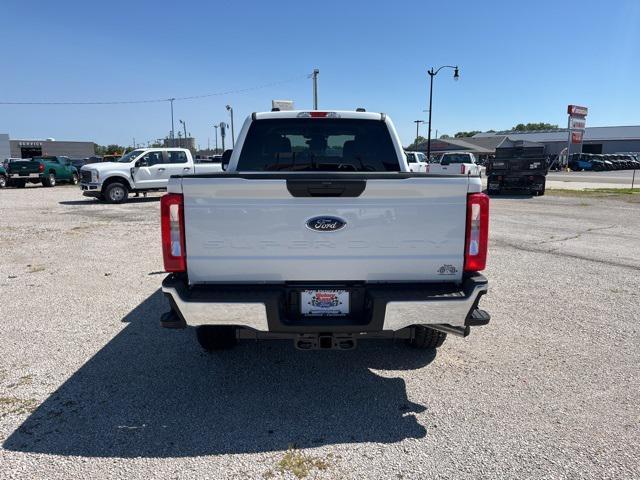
324	302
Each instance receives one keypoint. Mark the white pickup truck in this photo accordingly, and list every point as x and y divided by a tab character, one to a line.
417	161
317	232
141	170
455	163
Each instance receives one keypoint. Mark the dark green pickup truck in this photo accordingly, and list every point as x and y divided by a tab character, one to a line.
3	177
46	170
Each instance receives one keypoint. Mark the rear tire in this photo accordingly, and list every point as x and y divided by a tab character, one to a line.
426	338
74	179
116	193
215	337
3	181
49	180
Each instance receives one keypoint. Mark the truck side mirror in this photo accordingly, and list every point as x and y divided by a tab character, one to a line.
142	163
226	157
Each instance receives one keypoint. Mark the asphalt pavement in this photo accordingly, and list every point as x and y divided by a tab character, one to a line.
91	387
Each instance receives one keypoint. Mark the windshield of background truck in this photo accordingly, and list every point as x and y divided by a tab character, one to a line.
130	156
324	145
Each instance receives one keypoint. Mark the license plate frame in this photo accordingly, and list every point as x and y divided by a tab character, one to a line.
329	302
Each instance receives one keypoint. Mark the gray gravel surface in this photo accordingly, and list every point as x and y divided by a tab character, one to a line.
91	387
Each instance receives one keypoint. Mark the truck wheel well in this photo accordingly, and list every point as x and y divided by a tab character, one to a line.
111	180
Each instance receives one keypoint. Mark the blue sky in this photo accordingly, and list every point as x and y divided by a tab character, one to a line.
519	61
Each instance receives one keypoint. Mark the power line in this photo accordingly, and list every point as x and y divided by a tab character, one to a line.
160	100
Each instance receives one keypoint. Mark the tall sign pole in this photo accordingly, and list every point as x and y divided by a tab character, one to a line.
576	124
223	133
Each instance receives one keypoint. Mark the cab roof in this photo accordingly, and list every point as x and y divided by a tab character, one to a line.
350	114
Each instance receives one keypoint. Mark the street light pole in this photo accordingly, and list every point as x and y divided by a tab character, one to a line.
432	73
216	130
315	88
233	135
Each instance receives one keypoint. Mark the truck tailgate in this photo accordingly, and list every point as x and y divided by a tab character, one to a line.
23	168
241	228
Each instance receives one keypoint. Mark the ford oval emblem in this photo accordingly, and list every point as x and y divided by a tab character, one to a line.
326	224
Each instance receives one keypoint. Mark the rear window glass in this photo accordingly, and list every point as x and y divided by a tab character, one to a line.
325	145
455	158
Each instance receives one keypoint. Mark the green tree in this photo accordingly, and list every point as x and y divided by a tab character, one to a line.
112	149
445	136
522	127
466	134
419	139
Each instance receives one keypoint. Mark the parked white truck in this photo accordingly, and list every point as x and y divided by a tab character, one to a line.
455	163
417	161
317	232
142	170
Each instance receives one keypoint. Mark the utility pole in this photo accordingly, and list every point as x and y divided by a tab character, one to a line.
315	88
179	139
216	130
172	125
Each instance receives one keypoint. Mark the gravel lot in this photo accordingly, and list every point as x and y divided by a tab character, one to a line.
91	387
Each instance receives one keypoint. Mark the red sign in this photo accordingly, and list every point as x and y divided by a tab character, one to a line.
576	136
577	110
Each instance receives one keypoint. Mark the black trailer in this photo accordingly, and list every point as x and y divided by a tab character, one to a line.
518	166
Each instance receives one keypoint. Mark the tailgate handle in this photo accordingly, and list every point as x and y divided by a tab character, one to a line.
326	188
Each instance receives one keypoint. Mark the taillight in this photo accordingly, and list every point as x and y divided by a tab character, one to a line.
462	168
172	226
317	114
41	167
426	168
475	247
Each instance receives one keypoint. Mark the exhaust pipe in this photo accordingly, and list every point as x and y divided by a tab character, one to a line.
442	327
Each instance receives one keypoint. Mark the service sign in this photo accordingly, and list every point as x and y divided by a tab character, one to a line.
577	111
576	137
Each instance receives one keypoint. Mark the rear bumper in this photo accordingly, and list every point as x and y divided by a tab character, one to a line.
30	176
516	183
271	308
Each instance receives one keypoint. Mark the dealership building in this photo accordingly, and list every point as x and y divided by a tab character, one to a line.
50	146
595	140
